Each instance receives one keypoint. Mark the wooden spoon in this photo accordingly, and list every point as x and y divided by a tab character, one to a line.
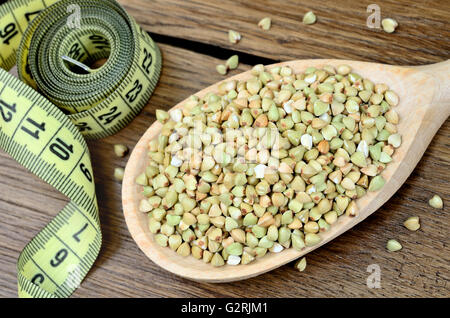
424	105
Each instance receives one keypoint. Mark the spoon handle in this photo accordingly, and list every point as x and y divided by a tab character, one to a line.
440	105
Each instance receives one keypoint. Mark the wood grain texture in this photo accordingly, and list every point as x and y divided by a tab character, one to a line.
424	105
338	269
340	32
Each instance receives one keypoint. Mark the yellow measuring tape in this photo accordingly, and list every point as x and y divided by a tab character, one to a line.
52	41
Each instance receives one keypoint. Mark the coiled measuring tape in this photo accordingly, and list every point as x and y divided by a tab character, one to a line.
58	101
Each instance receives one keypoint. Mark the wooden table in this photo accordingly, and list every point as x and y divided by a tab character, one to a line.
193	38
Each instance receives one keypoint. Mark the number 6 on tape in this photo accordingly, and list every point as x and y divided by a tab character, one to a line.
36	132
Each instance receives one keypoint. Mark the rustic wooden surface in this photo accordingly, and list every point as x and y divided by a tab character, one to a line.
423	34
338	269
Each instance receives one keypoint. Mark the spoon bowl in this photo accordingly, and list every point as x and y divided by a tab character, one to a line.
424	94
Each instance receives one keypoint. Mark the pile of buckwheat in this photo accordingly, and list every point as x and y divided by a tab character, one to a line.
267	163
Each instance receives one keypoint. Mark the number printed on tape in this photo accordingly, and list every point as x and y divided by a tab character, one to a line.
51	144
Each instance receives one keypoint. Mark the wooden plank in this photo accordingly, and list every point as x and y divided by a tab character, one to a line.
337	269
423	35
